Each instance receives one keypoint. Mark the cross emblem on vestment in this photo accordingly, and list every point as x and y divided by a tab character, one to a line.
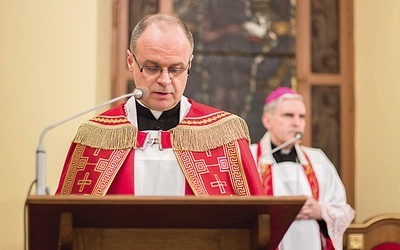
82	183
218	183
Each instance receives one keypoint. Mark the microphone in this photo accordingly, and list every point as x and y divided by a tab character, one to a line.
296	137
139	93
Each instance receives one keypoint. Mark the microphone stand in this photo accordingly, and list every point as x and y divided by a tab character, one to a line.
296	137
41	188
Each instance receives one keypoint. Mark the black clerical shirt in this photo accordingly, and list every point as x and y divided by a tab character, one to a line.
146	120
280	157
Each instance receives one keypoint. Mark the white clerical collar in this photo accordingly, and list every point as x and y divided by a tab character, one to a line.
155	113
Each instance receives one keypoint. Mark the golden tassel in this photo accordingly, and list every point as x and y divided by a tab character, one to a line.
206	137
106	137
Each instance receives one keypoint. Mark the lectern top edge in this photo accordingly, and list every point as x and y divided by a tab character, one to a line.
260	200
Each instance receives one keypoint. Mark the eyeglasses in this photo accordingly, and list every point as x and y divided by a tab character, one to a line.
156	70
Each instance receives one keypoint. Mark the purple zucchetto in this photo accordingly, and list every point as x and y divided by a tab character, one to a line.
278	92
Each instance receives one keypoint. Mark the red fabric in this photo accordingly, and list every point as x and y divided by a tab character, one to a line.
312	179
387	246
266	175
86	171
328	244
250	168
267	180
225	170
164	136
141	138
166	139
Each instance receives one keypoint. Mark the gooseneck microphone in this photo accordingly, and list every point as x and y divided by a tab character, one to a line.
140	93
296	137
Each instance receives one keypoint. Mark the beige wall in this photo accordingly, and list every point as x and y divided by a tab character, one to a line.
55	62
377	88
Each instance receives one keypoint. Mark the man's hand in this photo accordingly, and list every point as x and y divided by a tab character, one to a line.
311	210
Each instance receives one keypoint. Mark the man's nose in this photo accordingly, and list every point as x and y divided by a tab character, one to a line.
164	78
297	120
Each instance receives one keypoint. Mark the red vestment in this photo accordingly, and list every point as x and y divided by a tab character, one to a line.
211	146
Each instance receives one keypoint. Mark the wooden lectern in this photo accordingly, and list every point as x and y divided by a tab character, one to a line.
135	222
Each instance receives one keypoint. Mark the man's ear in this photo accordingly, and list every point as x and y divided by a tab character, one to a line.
266	120
129	60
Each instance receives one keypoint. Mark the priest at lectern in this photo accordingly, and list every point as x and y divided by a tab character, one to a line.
162	143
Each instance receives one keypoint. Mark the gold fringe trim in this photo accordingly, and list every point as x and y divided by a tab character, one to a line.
206	137
192	138
106	137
